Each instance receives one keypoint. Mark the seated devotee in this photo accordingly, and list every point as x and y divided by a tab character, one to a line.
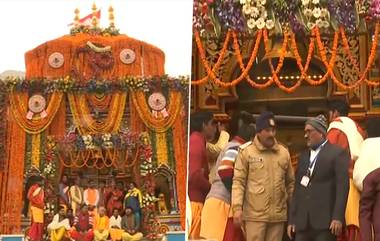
82	226
91	196
64	194
115	226
60	225
70	215
130	226
133	199
101	225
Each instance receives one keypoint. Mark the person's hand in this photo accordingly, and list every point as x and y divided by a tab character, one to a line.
291	230
221	127
336	227
238	218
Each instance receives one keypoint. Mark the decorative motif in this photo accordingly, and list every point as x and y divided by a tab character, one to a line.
56	60
157	102
127	56
37	105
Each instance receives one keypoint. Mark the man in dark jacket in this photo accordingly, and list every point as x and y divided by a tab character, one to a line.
319	201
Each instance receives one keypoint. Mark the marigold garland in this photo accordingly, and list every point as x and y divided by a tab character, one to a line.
202	54
371	57
157	124
36	125
84	121
329	64
253	56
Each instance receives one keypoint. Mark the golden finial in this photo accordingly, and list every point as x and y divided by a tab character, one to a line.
94	17
111	17
76	18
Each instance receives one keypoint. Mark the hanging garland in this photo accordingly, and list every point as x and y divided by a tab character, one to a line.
73	85
157	124
84	121
38	124
316	36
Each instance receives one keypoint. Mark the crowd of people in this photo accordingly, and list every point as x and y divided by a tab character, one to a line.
253	193
94	213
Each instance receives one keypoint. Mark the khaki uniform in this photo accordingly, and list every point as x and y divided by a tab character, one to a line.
262	187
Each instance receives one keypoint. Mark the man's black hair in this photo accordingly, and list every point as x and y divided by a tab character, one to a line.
339	105
197	120
373	127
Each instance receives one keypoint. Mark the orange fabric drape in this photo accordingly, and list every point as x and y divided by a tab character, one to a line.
18	104
180	153
12	179
87	125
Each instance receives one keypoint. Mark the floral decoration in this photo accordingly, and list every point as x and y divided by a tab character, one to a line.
230	15
316	14
69	84
344	13
109	31
256	14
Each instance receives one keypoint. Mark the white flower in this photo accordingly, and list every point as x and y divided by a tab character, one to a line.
264	14
251	23
316	12
260	23
254	12
326	24
269	24
247	9
305	2
242	2
315	2
319	23
310	25
308	12
324	12
263	2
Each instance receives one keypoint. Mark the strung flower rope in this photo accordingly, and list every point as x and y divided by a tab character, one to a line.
303	69
371	57
280	63
233	82
254	54
202	54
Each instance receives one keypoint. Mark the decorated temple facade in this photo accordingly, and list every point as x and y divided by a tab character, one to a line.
283	57
95	105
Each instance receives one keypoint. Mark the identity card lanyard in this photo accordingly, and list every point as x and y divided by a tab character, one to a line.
306	178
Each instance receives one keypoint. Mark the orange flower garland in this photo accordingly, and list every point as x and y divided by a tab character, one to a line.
253	56
354	63
18	102
202	54
329	64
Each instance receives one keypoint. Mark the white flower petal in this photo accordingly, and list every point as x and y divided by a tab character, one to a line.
305	2
263	2
319	23
326	24
269	24
315	1
251	23
260	23
247	9
316	12
242	2
255	12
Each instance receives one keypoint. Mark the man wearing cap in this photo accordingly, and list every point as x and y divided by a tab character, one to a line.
321	187
263	184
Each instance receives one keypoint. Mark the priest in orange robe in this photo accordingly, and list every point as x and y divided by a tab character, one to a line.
91	196
36	198
345	132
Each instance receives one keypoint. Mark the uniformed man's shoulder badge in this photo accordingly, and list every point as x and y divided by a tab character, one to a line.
241	147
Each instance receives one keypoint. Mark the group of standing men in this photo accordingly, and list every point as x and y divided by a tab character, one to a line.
86	214
254	192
